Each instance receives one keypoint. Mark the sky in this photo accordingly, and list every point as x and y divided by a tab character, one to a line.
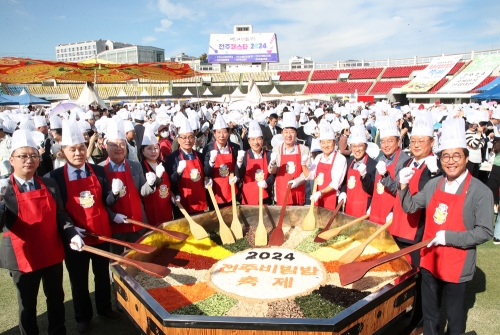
326	30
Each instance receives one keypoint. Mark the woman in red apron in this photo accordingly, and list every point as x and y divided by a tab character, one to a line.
289	169
357	198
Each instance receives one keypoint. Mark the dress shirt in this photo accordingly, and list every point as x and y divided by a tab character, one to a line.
416	164
338	171
273	130
454	185
256	155
22	182
121	167
390	160
289	152
190	156
224	150
72	175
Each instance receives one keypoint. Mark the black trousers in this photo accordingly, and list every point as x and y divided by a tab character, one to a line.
432	291
27	285
77	264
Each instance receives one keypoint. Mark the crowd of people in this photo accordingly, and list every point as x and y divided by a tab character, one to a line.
90	170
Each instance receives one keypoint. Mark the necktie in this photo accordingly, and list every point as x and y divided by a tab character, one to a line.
115	168
274	131
78	173
190	157
27	186
415	164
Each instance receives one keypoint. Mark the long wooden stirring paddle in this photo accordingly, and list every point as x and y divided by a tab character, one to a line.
351	255
349	273
142	248
328	234
309	222
318	238
260	233
225	233
277	237
235	225
153	269
174	234
197	230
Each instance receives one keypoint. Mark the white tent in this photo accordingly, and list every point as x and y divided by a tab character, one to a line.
207	92
144	93
187	92
23	92
89	97
166	92
122	93
274	91
237	93
253	94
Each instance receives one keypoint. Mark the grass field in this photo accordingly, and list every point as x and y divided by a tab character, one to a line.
483	302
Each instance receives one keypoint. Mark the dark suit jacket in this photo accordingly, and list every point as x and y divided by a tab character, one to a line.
8	217
242	170
172	162
368	180
268	135
207	169
108	198
139	134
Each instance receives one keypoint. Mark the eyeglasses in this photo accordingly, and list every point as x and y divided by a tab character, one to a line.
24	158
420	142
456	158
358	146
391	141
114	146
187	138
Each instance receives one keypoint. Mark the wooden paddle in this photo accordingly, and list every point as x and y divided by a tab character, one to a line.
175	234
309	222
328	234
150	268
349	273
351	255
318	238
142	248
235	225
225	233
260	233
198	231
277	237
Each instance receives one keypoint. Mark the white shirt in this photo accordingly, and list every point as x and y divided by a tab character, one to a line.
273	130
72	175
452	187
419	163
224	150
256	155
338	171
22	181
121	167
291	152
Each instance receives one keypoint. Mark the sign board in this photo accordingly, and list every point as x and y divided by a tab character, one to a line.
431	75
480	68
243	48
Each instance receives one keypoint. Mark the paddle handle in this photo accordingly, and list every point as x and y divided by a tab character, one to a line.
142	248
334	214
314	190
233	197
283	207
260	205
216	206
381	229
353	222
174	234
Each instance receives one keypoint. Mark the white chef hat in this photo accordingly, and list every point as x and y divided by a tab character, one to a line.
39	121
220	123
453	134
71	133
315	145
423	124
303	118
326	132
358	120
140	115
22	138
496	114
358	134
319	112
387	126
9	126
185	126
128	126
289	120
297	108
254	129
345	124
149	136
179	119
89	115
364	114
27	125
115	130
55	122
194	122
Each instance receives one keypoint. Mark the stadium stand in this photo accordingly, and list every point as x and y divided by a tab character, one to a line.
339	87
367	73
384	87
401	71
223	77
16	89
440	84
456	68
258	76
294	75
486	81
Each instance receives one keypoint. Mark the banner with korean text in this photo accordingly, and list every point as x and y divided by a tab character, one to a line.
243	48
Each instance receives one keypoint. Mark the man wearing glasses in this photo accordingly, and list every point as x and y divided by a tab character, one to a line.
35	226
459	216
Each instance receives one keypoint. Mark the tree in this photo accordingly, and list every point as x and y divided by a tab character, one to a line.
203	57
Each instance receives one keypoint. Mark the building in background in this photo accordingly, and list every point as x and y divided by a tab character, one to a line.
133	54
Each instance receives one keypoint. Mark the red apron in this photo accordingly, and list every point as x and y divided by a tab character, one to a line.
129	201
85	207
297	195
249	188
357	198
158	206
405	225
445	212
221	187
34	236
329	200
192	186
382	199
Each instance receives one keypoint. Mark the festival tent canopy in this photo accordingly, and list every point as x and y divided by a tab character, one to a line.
122	93
89	97
274	91
28	98
489	86
144	93
166	92
495	91
253	94
207	92
237	93
6	100
187	92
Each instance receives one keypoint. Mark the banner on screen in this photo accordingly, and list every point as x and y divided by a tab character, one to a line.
480	68
431	75
243	48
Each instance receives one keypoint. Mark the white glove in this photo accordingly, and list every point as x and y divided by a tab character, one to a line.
76	243
120	218
273	158
209	183
116	186
177	198
304	160
213	155
342	196
405	175
294	183
80	231
362	169
181	167
381	168
159	170
241	154
151	178
368	211
431	162
388	217
438	240
315	197
233	180
262	184
3	186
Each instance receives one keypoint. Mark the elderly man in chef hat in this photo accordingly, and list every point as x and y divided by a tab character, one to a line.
459	217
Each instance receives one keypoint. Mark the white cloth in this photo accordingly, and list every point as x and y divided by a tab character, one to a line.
452	187
72	175
338	171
